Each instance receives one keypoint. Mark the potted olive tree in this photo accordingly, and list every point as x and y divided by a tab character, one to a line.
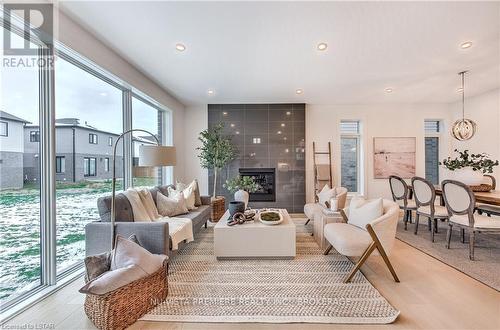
469	168
216	152
241	186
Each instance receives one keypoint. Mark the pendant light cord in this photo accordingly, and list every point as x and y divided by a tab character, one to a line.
463	94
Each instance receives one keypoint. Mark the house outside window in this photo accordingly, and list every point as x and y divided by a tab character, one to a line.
60	164
89	166
93	138
433	129
110	141
4	128
106	164
350	155
35	136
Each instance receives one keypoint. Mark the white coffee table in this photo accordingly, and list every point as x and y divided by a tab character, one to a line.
254	239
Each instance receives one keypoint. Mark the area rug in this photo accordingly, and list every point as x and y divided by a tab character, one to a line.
486	265
306	289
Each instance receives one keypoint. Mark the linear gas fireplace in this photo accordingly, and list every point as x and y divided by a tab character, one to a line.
266	178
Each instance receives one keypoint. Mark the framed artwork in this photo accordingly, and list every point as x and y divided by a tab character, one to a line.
394	156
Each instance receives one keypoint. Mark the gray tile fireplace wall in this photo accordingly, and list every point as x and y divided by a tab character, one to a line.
266	136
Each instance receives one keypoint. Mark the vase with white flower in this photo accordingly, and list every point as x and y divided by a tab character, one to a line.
242	186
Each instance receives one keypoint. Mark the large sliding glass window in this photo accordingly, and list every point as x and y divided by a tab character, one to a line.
88	111
90	114
20	267
147	117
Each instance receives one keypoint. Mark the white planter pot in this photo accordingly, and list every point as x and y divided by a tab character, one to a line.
242	196
468	176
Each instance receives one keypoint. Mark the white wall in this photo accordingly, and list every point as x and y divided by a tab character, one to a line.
14	141
378	120
75	37
196	119
484	109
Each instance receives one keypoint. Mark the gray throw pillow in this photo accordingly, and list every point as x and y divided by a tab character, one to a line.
97	265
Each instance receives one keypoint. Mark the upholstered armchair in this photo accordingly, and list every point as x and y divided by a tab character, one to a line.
311	209
377	237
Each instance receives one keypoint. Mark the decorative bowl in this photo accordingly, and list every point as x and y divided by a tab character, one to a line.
270	217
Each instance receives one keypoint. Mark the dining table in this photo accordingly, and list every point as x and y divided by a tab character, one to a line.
491	197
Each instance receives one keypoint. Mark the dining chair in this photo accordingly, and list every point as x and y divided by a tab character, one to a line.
488	208
425	198
400	193
460	203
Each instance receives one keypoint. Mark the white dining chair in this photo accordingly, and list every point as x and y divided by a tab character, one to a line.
460	203
400	194
425	198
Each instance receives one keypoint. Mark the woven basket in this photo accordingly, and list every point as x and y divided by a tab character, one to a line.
122	307
481	188
218	208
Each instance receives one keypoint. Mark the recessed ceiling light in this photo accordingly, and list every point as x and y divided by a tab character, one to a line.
465	45
322	46
232	125
388	90
237	132
299	91
278	132
210	92
224	113
282	124
284	138
180	47
286	150
288	113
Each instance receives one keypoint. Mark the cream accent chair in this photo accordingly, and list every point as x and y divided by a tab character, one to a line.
425	198
401	195
378	236
460	202
311	209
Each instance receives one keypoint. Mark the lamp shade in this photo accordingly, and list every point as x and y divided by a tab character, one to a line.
150	155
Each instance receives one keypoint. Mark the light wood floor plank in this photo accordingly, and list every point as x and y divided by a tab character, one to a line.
431	295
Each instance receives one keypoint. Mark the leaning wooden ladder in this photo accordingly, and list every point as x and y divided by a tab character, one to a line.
317	179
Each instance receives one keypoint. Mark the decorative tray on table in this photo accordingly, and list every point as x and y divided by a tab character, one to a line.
270	217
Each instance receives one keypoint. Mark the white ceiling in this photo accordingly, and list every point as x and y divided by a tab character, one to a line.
252	52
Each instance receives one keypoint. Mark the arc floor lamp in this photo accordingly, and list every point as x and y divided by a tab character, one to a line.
149	156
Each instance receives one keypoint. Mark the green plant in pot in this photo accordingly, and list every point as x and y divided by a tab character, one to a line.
469	168
216	151
241	186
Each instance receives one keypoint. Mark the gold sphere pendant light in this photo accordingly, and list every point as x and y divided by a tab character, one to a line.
463	129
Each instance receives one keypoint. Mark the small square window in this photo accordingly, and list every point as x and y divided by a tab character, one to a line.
92	138
4	128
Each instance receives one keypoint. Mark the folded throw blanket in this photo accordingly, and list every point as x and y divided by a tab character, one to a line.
179	229
149	204
138	208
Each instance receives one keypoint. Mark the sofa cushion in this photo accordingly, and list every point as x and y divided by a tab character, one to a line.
199	215
127	253
362	212
172	205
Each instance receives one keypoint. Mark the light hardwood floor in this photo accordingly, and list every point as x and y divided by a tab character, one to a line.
431	295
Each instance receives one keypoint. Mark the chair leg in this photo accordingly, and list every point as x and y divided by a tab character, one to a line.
417	219
328	249
448	236
429	223
410	216
381	250
472	235
433	223
206	224
462	234
307	222
361	261
405	219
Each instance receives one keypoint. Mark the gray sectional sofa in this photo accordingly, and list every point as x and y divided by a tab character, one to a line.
153	236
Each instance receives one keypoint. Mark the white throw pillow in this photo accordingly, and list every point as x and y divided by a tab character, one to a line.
326	194
197	195
113	279
189	195
127	253
171	206
362	212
